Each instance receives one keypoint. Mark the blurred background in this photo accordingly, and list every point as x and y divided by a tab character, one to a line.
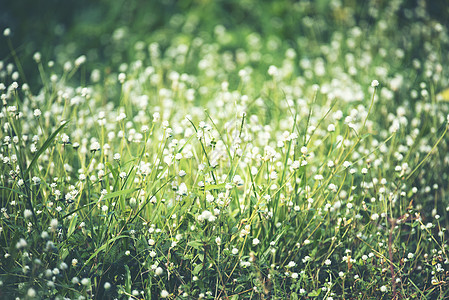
106	31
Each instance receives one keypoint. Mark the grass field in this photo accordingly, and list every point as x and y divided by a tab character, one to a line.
225	150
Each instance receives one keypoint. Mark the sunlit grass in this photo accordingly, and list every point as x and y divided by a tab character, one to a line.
233	167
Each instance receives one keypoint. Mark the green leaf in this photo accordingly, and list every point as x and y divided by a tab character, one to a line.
102	248
128	280
64	253
113	171
315	293
119	193
78	209
189	217
215	186
365	136
195	244
72	225
267	252
44	147
12	190
197	269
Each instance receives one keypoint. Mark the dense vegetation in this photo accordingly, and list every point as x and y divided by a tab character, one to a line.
225	150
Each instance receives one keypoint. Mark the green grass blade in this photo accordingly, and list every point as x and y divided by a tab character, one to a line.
102	248
44	147
12	190
119	193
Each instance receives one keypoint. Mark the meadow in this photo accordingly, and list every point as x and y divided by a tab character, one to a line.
227	150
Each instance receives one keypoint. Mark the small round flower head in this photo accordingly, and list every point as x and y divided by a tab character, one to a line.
31	293
156	117
80	60
65	138
36	180
27	213
273	71
7	32
164	294
182	190
121	77
159	271
374	217
85	281
107	285
53	225
74	262
374	83
95	146
238	180
67	66
37	57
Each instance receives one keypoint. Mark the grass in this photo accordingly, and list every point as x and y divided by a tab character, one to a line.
224	162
